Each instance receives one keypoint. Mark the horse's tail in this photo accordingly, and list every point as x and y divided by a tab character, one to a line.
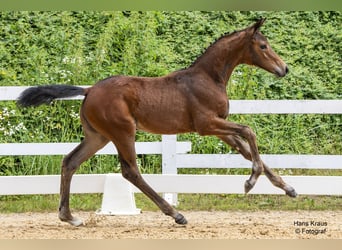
36	96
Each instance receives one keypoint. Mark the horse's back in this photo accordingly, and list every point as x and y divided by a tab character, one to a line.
157	104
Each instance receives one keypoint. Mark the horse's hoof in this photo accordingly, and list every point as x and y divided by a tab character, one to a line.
75	222
180	219
248	186
292	193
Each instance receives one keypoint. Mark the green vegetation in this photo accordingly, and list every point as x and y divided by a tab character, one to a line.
80	48
194	202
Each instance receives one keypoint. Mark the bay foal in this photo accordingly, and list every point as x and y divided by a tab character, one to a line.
188	100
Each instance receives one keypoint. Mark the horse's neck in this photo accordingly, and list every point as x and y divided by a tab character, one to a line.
220	59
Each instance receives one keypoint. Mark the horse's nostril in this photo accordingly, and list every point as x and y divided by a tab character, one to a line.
286	69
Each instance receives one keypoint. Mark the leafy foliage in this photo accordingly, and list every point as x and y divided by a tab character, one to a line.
80	48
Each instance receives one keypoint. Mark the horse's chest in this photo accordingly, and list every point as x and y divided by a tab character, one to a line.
214	99
212	103
217	102
222	108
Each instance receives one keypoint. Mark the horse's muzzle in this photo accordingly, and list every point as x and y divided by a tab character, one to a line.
282	72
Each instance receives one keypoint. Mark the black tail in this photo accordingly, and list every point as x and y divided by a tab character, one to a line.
36	96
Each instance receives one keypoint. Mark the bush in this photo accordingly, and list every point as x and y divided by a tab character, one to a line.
81	48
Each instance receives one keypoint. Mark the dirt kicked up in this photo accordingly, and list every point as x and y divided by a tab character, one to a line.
154	225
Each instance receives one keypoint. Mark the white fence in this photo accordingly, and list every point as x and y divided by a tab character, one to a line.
175	155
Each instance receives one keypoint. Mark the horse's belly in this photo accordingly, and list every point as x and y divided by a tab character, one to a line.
164	123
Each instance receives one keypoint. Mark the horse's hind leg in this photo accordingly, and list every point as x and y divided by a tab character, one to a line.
243	148
124	142
88	147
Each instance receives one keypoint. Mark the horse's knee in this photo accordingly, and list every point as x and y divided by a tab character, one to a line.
248	133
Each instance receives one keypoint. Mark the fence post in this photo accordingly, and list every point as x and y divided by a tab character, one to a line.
169	150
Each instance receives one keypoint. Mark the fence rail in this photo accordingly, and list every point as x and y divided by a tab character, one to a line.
238	106
12	149
164	183
175	155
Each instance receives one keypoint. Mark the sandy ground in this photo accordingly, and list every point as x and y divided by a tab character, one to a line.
154	225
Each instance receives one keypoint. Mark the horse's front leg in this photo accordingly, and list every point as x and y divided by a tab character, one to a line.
124	143
132	174
243	148
222	128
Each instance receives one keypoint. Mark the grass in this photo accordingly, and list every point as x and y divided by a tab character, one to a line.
226	202
187	202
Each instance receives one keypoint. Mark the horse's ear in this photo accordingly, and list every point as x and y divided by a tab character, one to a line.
258	24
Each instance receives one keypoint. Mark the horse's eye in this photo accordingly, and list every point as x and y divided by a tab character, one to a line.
263	46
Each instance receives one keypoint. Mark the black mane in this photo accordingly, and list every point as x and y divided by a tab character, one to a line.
227	34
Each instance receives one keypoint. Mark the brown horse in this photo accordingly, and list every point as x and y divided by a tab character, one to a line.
188	100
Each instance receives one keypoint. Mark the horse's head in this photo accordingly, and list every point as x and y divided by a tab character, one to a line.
261	53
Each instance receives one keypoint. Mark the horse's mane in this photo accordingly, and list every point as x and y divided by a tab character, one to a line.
225	35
